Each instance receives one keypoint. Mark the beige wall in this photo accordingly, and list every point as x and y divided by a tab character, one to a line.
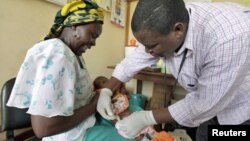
24	22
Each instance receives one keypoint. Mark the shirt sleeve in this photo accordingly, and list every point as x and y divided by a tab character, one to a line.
133	63
223	74
45	83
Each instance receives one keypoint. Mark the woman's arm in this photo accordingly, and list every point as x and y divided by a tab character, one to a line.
44	126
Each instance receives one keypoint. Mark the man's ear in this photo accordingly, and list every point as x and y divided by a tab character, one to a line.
179	29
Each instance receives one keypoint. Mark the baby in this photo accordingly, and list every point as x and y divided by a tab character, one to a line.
120	105
99	82
119	100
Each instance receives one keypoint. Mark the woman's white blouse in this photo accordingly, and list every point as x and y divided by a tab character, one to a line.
51	83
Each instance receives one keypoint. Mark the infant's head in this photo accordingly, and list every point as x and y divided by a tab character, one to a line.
99	82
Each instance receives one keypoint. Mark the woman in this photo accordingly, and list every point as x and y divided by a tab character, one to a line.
53	82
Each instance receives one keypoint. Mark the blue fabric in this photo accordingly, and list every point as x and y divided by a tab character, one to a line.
104	130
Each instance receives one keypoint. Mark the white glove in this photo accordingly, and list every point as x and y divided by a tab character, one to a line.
134	123
104	104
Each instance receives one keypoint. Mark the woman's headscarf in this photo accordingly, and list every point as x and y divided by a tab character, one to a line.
78	12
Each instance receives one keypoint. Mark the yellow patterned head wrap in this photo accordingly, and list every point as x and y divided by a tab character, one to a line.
77	12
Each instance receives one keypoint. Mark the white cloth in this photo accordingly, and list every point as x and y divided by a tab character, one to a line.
51	83
216	72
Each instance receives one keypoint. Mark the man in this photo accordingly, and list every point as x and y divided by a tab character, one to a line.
206	46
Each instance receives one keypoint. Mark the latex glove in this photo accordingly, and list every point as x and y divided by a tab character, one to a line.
134	123
104	104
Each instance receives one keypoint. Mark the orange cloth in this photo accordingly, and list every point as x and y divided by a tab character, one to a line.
163	136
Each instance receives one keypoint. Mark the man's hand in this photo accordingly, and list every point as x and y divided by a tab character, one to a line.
134	123
104	104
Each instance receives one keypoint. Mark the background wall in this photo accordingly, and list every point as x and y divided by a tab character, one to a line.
24	22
